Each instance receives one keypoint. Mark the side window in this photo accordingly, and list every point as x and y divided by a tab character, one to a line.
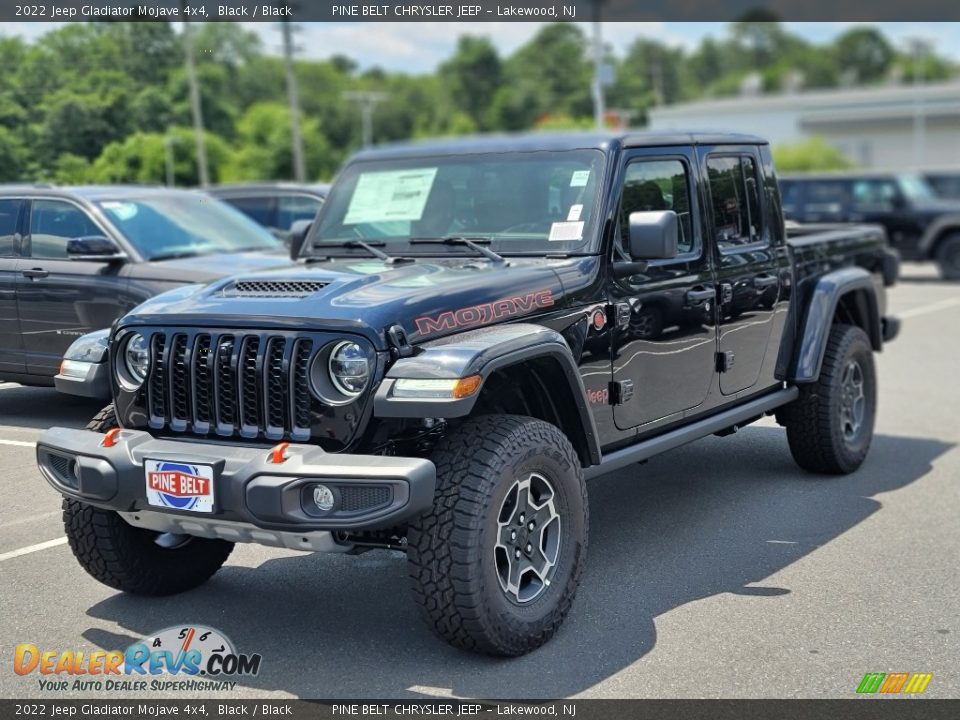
53	223
262	210
874	195
656	185
296	207
9	212
735	201
827	197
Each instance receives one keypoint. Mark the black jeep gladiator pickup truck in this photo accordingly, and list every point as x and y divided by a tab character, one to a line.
474	328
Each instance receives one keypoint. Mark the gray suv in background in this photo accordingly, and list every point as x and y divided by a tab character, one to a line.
74	259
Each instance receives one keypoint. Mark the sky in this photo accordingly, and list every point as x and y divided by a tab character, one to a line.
420	47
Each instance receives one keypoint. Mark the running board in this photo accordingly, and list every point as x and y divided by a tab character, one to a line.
681	436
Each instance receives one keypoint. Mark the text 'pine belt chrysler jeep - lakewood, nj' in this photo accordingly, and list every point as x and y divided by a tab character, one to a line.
474	328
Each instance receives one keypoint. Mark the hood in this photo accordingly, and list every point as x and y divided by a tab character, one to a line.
938	206
204	268
429	298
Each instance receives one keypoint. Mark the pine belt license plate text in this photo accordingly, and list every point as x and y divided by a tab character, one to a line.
179	486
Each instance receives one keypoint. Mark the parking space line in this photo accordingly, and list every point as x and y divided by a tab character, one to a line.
18	443
32	548
931	308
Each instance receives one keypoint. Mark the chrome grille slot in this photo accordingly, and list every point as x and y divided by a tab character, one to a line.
237	383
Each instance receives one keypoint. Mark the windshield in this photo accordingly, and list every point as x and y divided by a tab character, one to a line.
916	188
183	225
526	202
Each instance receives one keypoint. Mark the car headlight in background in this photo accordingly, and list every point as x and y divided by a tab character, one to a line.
349	368
134	360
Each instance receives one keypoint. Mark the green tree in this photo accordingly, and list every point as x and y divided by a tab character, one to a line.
141	158
813	154
864	52
472	77
264	146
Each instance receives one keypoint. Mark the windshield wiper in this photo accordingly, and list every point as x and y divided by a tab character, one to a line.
370	247
472	243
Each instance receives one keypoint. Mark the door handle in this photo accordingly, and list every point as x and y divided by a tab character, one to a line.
764	281
35	273
700	295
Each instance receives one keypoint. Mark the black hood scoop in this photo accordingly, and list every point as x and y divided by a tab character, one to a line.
273	288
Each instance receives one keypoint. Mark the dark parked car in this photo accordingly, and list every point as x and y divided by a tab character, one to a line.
920	225
276	206
944	182
73	260
419	382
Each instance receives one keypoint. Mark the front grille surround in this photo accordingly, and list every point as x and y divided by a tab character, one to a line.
250	384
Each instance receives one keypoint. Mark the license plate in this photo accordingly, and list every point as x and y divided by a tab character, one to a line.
179	486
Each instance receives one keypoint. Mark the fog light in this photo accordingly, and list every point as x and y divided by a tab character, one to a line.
323	498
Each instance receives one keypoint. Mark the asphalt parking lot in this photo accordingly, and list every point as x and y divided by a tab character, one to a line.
716	570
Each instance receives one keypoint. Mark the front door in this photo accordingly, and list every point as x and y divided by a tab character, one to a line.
61	299
665	340
11	342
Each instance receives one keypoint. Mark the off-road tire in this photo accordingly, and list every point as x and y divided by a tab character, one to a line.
948	257
450	549
127	558
814	421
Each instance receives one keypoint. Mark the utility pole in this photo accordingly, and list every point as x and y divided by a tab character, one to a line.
918	47
195	108
168	143
598	109
296	137
367	100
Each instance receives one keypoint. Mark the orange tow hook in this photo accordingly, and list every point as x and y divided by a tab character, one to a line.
110	439
279	453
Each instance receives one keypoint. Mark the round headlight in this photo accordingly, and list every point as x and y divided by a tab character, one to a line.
349	368
136	358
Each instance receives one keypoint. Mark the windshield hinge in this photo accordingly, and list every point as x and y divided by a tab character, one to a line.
399	346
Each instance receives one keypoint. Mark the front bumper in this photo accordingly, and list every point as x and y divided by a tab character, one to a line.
251	493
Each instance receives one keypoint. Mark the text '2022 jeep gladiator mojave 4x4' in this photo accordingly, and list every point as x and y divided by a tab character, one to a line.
475	328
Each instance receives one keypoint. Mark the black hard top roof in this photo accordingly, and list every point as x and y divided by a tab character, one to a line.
237	189
534	141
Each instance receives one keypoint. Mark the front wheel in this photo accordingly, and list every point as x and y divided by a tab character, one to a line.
948	257
496	562
131	559
830	426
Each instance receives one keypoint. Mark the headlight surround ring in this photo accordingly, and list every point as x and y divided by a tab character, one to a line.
133	361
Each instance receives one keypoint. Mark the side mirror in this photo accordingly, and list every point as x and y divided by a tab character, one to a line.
653	235
298	234
94	248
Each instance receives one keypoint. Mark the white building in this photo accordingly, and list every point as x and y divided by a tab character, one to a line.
890	127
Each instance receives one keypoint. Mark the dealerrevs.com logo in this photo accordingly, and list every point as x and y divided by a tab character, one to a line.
188	658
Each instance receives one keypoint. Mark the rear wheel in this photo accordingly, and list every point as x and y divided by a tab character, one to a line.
495	564
131	559
830	426
948	257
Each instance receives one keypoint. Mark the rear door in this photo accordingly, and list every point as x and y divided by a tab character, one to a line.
11	341
665	340
61	299
750	256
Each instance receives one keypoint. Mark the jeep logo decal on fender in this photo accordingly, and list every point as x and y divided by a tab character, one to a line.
485	313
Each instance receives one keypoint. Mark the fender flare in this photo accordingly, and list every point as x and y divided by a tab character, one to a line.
483	352
814	332
943	224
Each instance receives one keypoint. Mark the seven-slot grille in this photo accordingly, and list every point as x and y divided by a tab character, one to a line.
254	385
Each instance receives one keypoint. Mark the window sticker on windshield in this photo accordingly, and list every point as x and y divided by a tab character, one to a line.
574	213
566	231
579	178
390	195
120	210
